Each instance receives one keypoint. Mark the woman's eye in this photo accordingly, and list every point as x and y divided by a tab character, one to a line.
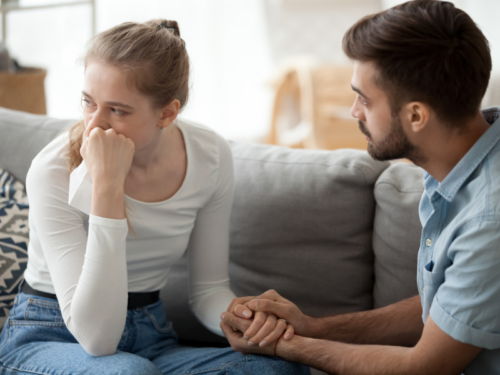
86	102
118	112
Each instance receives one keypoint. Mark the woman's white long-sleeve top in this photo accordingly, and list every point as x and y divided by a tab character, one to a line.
91	263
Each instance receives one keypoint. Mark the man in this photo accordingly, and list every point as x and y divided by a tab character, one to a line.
421	70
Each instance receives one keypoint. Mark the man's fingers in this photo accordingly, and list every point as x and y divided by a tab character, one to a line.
268	306
235	322
242	311
289	332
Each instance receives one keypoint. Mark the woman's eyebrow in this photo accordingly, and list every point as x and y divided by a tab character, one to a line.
114	104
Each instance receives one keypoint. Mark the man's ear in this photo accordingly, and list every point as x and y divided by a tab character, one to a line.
417	115
169	114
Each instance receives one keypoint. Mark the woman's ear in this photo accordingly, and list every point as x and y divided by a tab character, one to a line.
169	114
417	115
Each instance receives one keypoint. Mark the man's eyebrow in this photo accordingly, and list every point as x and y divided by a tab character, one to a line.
358	91
114	104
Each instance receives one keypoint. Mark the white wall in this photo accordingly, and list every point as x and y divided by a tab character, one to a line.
234	47
226	40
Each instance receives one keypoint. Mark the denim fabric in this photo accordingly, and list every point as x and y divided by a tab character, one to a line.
459	256
35	340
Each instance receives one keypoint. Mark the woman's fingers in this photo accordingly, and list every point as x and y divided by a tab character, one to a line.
264	331
258	321
234	322
280	327
276	308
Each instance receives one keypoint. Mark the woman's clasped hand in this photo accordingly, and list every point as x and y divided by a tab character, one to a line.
107	154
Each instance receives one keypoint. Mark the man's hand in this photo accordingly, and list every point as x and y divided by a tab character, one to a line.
272	302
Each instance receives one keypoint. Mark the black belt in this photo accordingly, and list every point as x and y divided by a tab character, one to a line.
135	300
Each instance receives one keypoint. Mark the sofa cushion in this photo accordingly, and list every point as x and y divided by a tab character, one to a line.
397	231
22	137
302	225
14	238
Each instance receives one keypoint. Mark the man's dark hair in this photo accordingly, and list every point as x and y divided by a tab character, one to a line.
427	51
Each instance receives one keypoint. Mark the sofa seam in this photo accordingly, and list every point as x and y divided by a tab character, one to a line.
38	128
387	182
346	166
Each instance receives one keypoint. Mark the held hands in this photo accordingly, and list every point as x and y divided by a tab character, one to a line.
243	333
233	326
272	302
108	155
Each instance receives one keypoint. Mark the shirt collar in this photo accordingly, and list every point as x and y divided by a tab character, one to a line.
468	164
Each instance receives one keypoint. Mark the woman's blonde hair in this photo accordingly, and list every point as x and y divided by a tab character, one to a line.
156	62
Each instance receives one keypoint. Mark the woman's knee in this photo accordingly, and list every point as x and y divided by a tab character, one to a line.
123	363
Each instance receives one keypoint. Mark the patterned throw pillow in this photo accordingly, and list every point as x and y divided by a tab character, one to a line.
14	238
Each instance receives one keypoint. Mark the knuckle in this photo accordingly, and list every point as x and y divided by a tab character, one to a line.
260	318
269	325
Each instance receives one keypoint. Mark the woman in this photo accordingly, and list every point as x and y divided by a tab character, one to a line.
112	205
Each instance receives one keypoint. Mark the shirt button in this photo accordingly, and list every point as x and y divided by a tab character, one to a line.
423	289
428	242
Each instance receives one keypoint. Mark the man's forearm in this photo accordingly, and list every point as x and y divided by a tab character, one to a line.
340	358
398	324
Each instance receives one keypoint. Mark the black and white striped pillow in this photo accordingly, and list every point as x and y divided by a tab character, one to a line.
14	239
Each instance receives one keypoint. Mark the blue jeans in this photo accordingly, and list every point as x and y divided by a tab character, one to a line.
35	340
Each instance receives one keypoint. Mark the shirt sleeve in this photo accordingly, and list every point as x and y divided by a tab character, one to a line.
208	252
87	268
466	305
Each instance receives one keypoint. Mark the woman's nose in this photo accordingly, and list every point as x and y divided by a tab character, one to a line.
98	120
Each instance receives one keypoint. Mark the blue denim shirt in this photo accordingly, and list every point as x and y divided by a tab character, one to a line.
459	258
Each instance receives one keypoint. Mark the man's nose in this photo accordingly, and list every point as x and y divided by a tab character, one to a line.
354	110
357	112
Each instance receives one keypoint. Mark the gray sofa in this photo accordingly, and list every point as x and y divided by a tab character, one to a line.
334	231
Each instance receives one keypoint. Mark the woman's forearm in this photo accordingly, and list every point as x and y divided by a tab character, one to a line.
108	199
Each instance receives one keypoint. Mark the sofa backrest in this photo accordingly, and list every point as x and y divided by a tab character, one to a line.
396	233
22	137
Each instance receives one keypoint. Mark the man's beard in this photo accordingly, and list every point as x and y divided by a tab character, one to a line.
394	146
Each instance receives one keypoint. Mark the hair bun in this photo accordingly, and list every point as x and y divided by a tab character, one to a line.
170	25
